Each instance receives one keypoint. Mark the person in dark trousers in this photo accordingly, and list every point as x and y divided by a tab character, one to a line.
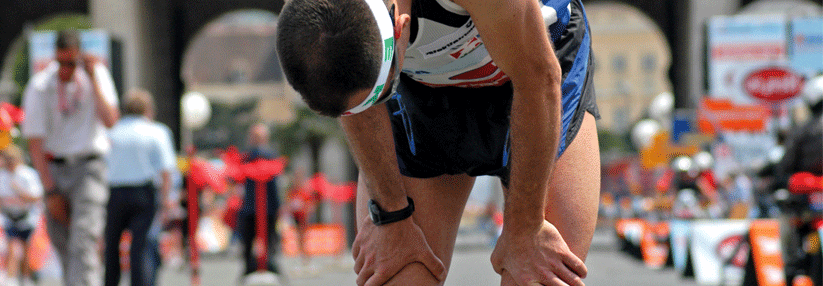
258	149
137	158
804	146
154	259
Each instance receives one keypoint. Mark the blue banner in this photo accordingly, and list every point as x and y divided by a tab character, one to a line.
806	45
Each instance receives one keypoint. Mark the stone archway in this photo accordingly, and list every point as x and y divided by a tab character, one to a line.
632	57
14	66
231	61
166	28
18	14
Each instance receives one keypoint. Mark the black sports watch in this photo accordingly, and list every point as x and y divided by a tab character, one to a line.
381	217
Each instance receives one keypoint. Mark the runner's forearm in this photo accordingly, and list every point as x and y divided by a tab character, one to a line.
516	37
372	145
535	131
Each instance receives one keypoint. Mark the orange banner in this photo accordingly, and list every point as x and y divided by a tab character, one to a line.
653	244
320	239
662	150
721	115
39	247
768	261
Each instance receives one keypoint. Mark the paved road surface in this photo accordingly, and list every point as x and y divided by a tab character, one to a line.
471	267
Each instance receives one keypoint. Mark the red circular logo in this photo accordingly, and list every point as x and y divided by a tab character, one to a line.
734	250
773	84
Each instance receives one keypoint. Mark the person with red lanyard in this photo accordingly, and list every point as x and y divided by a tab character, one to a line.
69	105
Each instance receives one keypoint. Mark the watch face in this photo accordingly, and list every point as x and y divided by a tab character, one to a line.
374	212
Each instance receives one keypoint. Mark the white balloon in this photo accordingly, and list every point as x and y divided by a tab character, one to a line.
196	110
776	154
682	164
703	160
643	132
813	91
661	106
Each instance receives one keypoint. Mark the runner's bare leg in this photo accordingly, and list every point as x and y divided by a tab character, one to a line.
574	191
439	204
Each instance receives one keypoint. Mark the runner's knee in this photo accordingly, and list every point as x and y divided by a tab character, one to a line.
414	274
506	279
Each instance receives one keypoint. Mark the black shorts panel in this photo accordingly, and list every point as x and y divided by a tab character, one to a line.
440	131
450	130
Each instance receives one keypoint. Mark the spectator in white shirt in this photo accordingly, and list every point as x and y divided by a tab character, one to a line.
68	107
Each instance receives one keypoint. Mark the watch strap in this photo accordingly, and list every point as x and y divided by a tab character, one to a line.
381	217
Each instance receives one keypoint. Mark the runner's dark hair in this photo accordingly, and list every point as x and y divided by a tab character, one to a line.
329	50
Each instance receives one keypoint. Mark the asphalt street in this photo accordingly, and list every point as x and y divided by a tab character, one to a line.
471	267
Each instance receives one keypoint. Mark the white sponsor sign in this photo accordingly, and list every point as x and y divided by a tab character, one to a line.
680	233
715	253
744	48
807	45
749	149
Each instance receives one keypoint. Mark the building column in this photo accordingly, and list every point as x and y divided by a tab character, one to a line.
122	20
151	50
699	13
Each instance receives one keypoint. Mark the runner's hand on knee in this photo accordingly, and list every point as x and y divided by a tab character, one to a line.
380	252
539	257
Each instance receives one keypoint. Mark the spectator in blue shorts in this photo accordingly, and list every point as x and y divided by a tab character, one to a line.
20	194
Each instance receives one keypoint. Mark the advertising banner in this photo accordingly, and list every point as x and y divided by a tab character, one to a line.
654	246
319	240
722	115
749	60
750	149
719	251
768	261
806	47
631	230
42	47
680	233
747	38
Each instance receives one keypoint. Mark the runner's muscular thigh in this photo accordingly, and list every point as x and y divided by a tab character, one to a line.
439	204
574	192
574	189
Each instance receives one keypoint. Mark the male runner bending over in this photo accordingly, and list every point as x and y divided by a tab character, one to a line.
488	87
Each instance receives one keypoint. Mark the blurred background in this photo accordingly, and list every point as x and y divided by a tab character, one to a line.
698	101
